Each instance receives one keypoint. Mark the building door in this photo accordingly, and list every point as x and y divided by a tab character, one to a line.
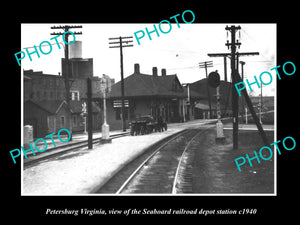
62	122
175	115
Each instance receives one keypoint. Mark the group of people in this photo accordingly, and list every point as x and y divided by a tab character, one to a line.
147	125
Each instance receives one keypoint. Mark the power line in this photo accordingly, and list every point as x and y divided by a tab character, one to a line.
45	45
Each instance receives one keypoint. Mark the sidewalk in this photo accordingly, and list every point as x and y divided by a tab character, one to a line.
76	137
83	171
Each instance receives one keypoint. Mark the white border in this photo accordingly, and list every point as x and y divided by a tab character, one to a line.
175	195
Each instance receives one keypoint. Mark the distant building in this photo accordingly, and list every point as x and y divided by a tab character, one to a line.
202	107
45	106
267	102
151	94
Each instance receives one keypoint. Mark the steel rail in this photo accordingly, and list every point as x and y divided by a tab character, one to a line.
74	146
181	159
145	161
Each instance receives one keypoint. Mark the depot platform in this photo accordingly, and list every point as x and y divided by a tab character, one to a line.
83	171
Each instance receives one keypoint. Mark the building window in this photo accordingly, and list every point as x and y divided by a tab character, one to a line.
51	95
75	120
118	111
75	95
58	96
62	121
44	82
38	95
45	95
50	83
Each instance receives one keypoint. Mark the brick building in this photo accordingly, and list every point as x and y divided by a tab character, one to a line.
45	106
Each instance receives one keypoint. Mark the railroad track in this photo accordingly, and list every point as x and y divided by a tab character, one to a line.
62	149
165	168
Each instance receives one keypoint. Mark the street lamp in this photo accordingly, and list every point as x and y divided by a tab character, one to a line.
187	102
105	126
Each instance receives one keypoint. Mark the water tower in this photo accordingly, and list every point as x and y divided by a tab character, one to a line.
75	50
79	67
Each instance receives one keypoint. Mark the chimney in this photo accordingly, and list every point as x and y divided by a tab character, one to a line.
136	68
163	72
154	71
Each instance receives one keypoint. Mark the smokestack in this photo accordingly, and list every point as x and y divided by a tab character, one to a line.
163	72
154	71
136	68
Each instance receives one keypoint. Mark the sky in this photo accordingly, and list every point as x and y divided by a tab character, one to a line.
178	51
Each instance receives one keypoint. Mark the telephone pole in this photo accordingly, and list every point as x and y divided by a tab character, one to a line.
205	65
122	43
66	72
243	105
89	113
235	79
235	103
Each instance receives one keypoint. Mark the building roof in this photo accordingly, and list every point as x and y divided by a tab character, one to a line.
225	88
146	85
53	106
143	85
194	94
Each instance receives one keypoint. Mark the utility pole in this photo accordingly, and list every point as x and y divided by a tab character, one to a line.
235	103
260	103
234	74
243	105
235	79
89	113
121	42
66	73
225	68
205	65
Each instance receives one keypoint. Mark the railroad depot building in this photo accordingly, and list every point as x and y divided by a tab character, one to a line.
151	94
